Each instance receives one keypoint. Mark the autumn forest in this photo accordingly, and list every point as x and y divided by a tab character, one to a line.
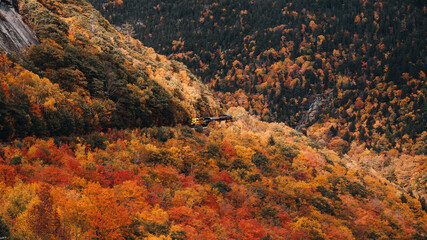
328	137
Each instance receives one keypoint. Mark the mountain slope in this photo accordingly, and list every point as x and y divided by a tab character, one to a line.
242	180
349	74
365	60
101	79
246	179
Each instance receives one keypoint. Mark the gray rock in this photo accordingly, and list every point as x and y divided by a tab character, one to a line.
14	33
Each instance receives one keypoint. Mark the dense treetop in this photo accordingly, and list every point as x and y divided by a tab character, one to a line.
68	169
243	180
86	76
364	60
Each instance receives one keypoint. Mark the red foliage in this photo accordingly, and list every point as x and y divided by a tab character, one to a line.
66	150
57	156
99	175
74	165
35	110
182	214
54	176
40	154
252	229
364	64
284	218
120	176
223	176
359	104
244	213
298	235
228	149
155	192
5	90
186	181
7	174
210	201
167	174
300	175
48	225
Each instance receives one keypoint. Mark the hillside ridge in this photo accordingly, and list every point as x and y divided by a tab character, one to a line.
274	57
95	78
246	179
95	146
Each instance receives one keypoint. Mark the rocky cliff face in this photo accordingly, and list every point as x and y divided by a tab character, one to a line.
14	33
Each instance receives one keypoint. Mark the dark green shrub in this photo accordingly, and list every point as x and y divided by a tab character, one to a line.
356	188
178	235
261	161
222	187
97	140
254	178
4	230
288	151
323	206
158	229
373	235
187	132
164	157
199	128
270	213
328	194
17	160
214	150
239	164
163	134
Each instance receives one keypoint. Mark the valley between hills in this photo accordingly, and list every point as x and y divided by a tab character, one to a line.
328	137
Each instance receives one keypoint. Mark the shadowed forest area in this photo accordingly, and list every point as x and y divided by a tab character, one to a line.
94	135
365	59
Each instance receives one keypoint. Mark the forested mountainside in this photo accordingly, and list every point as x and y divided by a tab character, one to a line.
85	76
92	148
363	60
242	180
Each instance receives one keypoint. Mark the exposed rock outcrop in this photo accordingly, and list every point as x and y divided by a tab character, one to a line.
14	33
310	114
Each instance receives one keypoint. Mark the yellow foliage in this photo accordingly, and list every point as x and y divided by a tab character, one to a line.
49	104
156	215
322	180
286	184
357	19
244	153
300	163
311	226
312	25
17	201
189	197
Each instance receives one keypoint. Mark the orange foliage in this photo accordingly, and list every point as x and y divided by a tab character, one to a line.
228	149
7	174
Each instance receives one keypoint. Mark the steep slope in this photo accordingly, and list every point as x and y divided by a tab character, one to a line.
349	74
92	77
365	60
242	180
246	179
